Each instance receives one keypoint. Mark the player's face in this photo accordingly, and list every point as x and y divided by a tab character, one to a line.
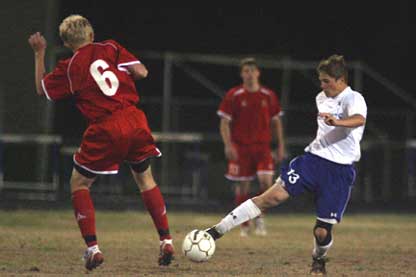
250	74
329	84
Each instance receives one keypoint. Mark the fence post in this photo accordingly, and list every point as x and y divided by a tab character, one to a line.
46	119
385	190
367	189
166	111
285	88
358	77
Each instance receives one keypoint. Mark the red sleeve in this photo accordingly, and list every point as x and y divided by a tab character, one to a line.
124	58
56	84
275	109
226	107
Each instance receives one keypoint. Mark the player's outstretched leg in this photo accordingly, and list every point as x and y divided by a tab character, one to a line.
322	242
84	211
155	205
250	209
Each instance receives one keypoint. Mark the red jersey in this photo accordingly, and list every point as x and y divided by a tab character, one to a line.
250	114
97	77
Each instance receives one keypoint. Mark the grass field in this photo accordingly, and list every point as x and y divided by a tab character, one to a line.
36	243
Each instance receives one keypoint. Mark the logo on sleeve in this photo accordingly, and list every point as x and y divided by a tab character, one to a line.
80	217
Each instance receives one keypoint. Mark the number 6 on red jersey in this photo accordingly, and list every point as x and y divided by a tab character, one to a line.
106	81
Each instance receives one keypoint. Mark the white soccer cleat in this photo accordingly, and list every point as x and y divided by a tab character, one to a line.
93	258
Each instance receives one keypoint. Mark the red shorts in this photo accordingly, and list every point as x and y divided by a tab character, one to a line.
123	136
252	159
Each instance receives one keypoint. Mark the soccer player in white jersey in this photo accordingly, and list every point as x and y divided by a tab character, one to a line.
325	169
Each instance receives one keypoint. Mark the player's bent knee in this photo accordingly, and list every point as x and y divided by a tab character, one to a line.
323	232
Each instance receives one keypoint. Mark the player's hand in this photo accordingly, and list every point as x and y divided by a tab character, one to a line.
37	42
280	154
231	152
329	119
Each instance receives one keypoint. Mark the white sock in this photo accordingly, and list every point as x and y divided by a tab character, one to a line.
93	249
246	211
320	251
167	241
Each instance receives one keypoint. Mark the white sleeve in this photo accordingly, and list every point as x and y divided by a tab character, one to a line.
356	105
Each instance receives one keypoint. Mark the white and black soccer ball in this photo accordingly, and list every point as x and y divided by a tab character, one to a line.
198	246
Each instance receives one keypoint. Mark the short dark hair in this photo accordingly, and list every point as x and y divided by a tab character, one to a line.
335	66
248	61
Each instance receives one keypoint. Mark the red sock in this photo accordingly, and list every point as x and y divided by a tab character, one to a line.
155	205
85	215
241	198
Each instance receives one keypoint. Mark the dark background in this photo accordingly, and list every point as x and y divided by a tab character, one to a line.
382	35
379	35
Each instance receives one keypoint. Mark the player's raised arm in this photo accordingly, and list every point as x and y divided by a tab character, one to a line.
38	44
138	71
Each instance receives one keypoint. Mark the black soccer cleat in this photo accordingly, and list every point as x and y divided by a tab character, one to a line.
213	232
318	267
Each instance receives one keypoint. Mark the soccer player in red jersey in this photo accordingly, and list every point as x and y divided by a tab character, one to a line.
100	77
250	117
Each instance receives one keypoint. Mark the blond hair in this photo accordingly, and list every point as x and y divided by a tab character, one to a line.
75	30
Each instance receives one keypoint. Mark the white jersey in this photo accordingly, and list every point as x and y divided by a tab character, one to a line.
339	144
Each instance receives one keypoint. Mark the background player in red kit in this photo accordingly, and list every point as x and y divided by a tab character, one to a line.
100	76
249	115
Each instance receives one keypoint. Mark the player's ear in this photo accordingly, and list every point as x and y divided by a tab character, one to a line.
341	80
91	37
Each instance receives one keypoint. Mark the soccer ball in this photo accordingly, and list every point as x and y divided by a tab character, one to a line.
198	246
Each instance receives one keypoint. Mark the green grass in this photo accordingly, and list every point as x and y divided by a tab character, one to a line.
37	243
